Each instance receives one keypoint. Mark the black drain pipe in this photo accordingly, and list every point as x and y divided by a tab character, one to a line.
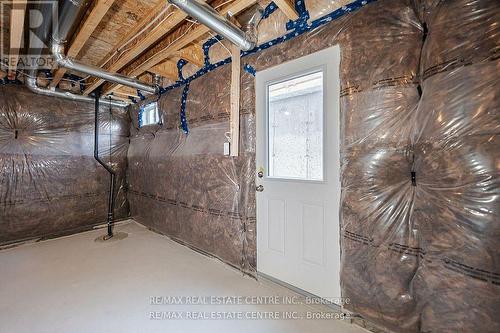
112	174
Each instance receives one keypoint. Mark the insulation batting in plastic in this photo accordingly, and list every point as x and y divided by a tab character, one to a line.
50	183
183	186
418	95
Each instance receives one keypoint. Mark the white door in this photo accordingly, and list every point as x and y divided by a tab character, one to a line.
298	173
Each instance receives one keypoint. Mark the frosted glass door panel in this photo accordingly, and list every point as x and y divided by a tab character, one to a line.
295	128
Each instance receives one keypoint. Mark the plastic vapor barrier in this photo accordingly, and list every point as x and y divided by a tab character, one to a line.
420	160
183	186
50	183
379	96
420	154
457	162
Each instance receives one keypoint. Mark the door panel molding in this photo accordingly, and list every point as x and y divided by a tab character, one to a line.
308	216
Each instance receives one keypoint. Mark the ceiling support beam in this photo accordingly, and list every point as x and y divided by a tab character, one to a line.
166	47
178	40
234	118
193	55
121	97
17	15
128	38
218	23
288	8
147	37
119	94
127	90
166	69
96	13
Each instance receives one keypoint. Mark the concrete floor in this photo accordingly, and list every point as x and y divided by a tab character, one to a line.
74	284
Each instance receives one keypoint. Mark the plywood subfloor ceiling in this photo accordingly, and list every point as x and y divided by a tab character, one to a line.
141	38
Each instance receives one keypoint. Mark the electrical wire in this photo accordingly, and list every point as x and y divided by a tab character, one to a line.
189	30
220	42
185	33
121	49
22	73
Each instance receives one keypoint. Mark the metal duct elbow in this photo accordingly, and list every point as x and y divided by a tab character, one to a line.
253	22
30	83
213	20
59	57
72	64
67	20
70	11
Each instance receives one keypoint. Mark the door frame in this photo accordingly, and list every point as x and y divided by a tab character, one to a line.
329	60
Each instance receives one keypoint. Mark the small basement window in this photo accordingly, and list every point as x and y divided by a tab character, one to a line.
149	115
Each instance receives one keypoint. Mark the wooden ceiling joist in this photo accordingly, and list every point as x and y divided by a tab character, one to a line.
17	15
127	91
125	41
96	13
123	98
166	48
170	19
179	39
166	69
124	94
234	118
108	87
112	89
193	54
288	8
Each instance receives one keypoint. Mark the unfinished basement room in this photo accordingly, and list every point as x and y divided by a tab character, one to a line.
250	166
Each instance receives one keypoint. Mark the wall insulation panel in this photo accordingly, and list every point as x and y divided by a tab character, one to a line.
457	162
50	183
183	186
420	174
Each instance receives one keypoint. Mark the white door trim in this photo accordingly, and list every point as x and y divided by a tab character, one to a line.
329	61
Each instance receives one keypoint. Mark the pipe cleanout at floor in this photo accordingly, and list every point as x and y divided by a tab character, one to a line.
250	166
